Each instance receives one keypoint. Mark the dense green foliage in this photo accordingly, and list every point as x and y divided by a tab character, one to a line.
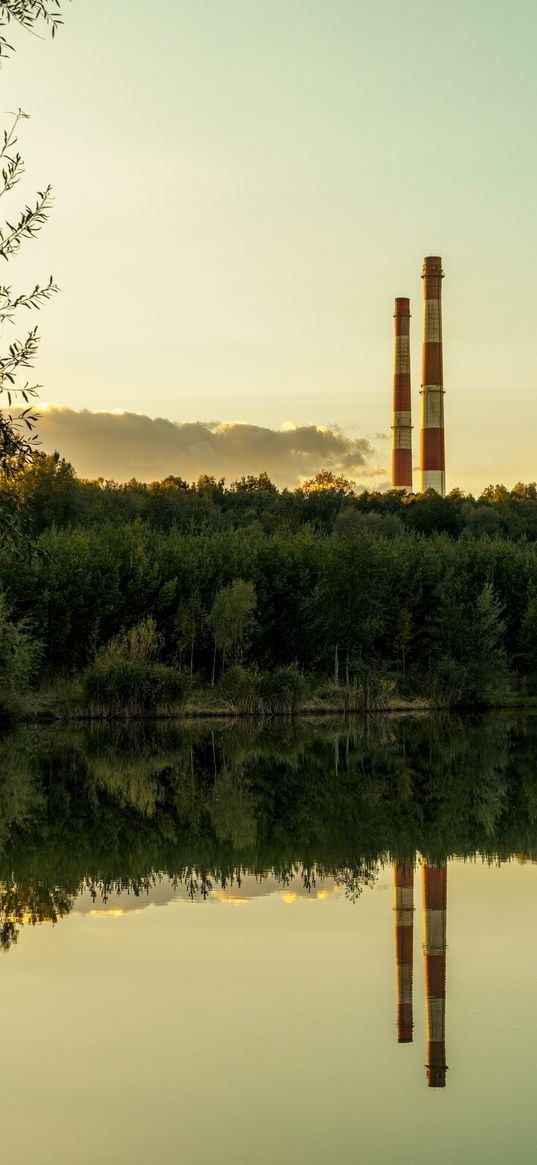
368	593
115	808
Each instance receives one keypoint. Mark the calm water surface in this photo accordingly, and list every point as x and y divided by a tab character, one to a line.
203	962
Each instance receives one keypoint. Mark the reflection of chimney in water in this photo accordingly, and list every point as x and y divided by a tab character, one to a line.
434	925
403	876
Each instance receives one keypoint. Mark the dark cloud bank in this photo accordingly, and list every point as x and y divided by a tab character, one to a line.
121	446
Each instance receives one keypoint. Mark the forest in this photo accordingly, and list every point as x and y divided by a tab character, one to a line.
141	599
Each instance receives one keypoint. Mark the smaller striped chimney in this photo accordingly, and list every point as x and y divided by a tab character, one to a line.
434	950
432	440
402	419
403	877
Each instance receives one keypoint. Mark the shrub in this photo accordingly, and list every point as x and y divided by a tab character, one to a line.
282	691
240	686
134	687
365	692
277	693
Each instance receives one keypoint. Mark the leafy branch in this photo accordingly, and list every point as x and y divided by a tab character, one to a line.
30	15
29	224
13	167
17	436
21	355
17	440
33	299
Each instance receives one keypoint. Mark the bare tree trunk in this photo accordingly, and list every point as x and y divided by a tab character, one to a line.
214	666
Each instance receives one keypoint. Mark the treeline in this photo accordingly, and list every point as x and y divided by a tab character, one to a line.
146	610
47	493
114	809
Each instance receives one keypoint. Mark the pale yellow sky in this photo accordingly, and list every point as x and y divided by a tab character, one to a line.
243	189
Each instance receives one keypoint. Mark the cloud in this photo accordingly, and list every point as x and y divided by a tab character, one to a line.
121	445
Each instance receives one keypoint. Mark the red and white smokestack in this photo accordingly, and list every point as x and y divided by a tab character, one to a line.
403	877
434	949
402	419
432	443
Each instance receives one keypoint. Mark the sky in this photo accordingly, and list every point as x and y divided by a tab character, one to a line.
241	190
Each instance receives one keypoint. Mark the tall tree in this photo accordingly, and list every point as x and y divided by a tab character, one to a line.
487	663
231	620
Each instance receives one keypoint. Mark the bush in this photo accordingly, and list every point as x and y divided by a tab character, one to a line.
240	686
277	693
134	687
368	691
282	691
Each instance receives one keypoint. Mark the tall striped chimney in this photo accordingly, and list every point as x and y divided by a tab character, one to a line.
432	444
403	877
402	420
434	949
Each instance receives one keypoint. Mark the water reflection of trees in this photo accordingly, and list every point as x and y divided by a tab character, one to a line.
112	808
29	904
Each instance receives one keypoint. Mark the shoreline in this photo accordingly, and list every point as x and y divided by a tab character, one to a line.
310	710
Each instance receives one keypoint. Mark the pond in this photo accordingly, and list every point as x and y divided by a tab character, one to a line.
302	942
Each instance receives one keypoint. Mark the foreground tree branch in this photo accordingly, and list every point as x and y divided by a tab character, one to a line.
30	15
17	424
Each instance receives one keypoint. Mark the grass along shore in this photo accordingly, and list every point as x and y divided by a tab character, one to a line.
65	700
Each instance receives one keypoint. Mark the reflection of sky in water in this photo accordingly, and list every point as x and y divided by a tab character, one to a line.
235	894
269	1033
